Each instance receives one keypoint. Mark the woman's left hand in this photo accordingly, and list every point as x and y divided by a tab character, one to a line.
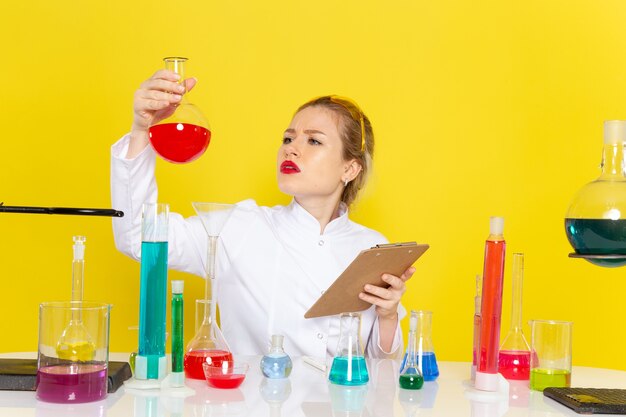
386	300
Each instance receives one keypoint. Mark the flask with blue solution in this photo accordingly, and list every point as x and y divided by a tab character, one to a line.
276	364
349	367
425	352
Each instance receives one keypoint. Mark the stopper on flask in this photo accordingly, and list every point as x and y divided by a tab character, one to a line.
614	132
277	340
177	287
496	225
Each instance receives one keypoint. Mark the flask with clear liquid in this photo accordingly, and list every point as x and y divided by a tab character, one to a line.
185	135
348	366
276	364
514	355
595	222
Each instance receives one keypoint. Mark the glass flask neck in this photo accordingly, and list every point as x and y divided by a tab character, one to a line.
176	64
613	166
517	284
349	335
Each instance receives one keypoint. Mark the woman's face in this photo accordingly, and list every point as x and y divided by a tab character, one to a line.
310	162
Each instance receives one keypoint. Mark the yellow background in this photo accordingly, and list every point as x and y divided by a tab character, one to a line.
479	108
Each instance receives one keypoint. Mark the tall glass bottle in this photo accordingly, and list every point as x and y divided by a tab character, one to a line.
185	134
151	362
491	307
349	367
595	222
276	364
178	344
514	355
410	374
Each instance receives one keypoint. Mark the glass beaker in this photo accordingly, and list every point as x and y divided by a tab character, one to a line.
514	355
349	367
425	351
62	380
185	134
208	344
595	222
151	362
551	359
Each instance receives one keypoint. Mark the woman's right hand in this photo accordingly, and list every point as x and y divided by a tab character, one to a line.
155	100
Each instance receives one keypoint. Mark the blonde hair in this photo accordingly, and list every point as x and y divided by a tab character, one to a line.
352	124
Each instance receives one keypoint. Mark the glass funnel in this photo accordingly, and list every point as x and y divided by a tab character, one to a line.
595	222
514	355
185	134
208	344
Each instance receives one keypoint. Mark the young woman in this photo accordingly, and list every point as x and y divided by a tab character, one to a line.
278	260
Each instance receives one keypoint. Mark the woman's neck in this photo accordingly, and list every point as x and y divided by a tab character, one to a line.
324	210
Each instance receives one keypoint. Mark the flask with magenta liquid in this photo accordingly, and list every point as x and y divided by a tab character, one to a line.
348	366
184	135
208	344
487	378
595	222
514	355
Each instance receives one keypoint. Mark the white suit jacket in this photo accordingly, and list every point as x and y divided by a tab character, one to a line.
272	264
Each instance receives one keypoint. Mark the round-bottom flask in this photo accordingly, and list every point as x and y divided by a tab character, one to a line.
185	135
595	222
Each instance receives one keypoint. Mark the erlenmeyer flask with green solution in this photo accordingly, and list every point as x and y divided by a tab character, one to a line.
595	222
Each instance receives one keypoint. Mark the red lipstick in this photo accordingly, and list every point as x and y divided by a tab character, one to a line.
289	167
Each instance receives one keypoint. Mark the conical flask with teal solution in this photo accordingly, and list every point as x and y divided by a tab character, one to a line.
349	367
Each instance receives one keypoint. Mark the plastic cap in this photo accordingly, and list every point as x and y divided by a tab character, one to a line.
614	132
177	287
277	340
79	247
496	225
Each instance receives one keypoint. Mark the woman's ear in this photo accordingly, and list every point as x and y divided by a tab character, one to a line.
352	169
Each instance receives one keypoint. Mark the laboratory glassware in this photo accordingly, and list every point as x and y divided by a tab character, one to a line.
348	366
227	374
491	307
551	359
151	362
178	344
410	374
514	355
185	134
209	344
75	343
276	364
275	392
76	211
595	222
476	340
73	380
426	358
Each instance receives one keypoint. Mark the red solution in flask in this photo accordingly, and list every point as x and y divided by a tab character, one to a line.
179	142
194	359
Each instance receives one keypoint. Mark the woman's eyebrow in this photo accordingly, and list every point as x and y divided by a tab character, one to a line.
308	131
